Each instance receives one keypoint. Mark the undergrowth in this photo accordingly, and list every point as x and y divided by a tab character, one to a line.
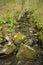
10	22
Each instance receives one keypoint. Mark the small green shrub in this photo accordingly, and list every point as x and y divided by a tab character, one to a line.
0	27
9	21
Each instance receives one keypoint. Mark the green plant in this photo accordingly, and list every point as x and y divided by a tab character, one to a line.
1	37
9	22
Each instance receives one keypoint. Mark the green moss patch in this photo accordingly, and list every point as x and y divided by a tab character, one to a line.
26	52
19	37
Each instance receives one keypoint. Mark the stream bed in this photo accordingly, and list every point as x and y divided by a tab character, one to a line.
28	29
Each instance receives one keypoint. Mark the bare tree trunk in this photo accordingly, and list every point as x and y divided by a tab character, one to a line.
22	8
25	4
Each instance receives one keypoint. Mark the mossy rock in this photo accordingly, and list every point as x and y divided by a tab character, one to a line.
8	49
19	37
26	52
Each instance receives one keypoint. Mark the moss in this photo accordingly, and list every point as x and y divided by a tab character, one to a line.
10	49
19	37
0	27
26	52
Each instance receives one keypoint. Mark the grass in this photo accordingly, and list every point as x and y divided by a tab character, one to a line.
37	19
9	22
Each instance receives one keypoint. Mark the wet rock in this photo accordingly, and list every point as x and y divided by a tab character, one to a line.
18	38
26	52
10	49
19	63
7	49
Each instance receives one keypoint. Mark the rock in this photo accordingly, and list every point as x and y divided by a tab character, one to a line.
26	52
8	49
19	37
19	63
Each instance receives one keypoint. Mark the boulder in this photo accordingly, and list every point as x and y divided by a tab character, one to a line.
26	51
18	38
8	49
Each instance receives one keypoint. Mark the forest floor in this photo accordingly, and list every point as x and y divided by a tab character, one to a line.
9	8
30	24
